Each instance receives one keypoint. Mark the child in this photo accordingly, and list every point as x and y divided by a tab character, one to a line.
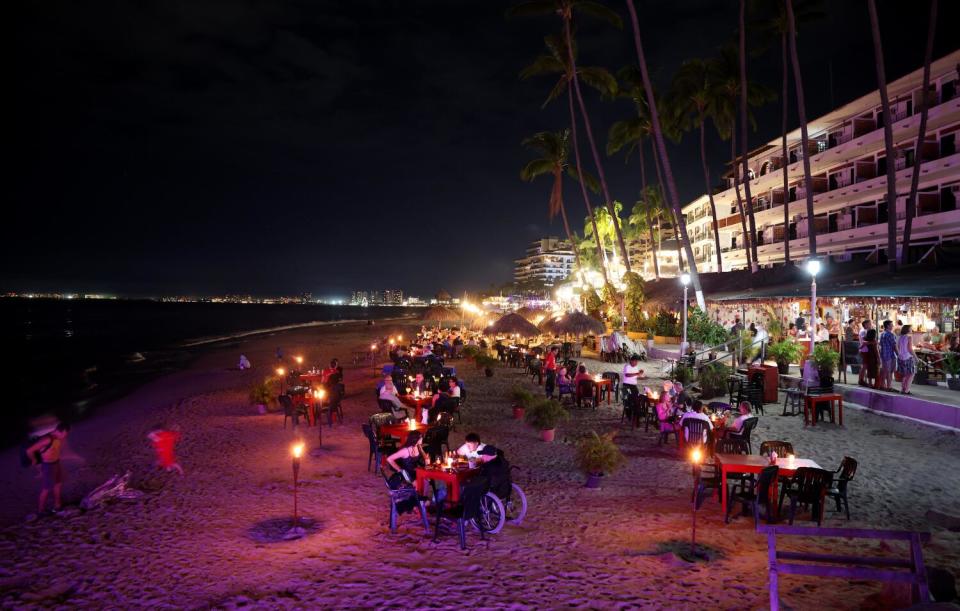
164	439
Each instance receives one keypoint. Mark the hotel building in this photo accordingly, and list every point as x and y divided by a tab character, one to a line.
548	261
848	169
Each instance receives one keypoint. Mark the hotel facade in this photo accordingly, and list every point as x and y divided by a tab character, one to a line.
849	181
548	261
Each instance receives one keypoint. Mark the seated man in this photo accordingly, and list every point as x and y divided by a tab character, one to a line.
471	447
334	370
421	385
445	400
388	392
696	414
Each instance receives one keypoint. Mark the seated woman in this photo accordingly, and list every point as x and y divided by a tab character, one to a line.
406	460
563	377
388	392
745	414
445	400
665	414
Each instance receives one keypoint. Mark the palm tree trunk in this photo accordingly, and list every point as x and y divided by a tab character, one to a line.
643	181
583	185
706	180
566	226
744	132
593	145
662	150
804	137
921	136
673	215
887	139
736	189
783	142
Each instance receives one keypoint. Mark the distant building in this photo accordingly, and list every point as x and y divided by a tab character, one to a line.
360	298
548	261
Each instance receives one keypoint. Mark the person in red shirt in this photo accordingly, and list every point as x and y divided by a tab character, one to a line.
550	368
164	440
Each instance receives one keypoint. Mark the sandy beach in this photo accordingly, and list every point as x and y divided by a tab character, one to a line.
189	541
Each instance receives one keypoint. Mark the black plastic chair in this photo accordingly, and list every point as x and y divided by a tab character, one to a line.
378	447
614	378
755	495
696	432
435	439
289	411
748	425
838	491
718	406
586	391
808	486
782	448
405	493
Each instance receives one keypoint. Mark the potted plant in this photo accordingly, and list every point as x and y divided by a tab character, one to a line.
261	395
713	380
705	332
951	365
784	352
666	328
598	455
485	362
825	358
683	374
470	352
545	415
521	398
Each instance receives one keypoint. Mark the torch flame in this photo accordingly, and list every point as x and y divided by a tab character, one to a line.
695	455
297	450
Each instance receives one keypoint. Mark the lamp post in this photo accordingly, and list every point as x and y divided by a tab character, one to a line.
280	373
685	281
297	451
695	458
813	268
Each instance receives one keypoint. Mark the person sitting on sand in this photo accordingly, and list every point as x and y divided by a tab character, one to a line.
244	363
164	439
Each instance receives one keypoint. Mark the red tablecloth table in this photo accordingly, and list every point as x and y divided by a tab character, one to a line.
417	404
810	407
453	478
401	430
751	463
599	385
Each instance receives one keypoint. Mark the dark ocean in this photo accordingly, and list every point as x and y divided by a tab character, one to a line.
66	356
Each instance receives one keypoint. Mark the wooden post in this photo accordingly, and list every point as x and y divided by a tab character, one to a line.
920	591
772	559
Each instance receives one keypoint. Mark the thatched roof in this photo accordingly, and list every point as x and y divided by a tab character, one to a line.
532	314
573	323
514	323
439	314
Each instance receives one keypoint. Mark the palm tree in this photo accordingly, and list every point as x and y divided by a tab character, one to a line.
693	90
565	9
921	136
744	146
887	138
662	150
776	27
555	62
553	148
642	218
804	136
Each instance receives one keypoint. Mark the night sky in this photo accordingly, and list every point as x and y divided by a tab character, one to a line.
278	147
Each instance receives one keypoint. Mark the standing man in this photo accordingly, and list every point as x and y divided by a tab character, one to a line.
888	356
864	348
46	453
631	373
550	367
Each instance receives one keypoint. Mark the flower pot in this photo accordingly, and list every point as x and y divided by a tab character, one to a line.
517	413
488	372
953	383
783	367
547	434
593	480
636	335
261	408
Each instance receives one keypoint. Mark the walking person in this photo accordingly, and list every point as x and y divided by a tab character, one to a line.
867	325
871	359
46	453
907	358
888	356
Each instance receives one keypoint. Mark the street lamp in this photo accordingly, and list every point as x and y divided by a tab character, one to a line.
280	373
685	281
813	268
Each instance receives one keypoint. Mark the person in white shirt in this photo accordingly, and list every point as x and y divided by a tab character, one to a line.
631	373
822	334
472	448
244	363
696	414
388	392
745	414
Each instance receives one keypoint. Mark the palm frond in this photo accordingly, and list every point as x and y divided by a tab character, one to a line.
593	9
535	168
543	64
599	79
588	179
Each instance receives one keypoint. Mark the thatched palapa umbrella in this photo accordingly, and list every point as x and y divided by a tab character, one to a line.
514	323
532	314
573	323
439	314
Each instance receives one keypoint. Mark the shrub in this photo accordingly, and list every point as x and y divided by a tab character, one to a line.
713	380
592	304
485	360
633	306
748	351
784	352
471	351
683	374
703	331
826	358
666	324
597	454
262	393
545	414
951	364
521	397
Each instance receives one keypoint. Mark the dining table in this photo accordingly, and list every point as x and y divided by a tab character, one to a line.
454	477
402	430
600	386
417	402
752	463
